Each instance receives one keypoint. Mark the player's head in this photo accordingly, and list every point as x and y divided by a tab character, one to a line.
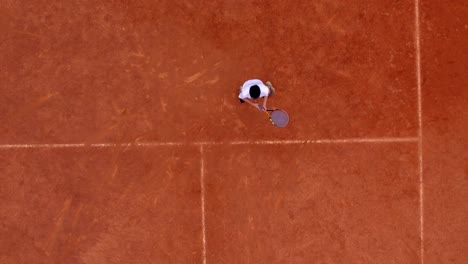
254	91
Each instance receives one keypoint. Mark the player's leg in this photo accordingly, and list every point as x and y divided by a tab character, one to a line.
270	86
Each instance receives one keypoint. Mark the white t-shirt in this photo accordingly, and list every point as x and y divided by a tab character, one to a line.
245	91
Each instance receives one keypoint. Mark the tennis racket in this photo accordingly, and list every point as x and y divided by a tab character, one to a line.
277	117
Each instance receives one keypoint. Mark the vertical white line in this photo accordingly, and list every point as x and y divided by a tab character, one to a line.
202	184
420	126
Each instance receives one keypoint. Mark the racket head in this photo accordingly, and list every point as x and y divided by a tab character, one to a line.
279	117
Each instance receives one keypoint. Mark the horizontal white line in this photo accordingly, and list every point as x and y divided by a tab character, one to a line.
93	145
11	146
256	142
325	141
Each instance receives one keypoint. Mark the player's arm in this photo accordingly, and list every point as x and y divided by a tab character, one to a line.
252	103
265	99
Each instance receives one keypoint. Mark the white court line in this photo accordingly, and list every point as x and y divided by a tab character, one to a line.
77	145
92	145
257	142
253	142
202	184
326	141
420	125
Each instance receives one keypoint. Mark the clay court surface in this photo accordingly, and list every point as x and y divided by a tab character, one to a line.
122	141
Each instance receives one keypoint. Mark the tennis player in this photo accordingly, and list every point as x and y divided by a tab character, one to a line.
254	89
